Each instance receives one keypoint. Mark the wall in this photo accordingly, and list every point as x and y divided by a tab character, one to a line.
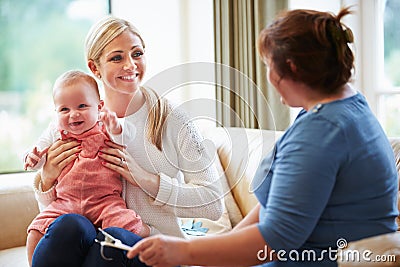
176	32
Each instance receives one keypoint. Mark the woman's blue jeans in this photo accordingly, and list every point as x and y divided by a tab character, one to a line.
69	242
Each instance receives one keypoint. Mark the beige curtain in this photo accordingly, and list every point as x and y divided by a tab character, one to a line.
244	97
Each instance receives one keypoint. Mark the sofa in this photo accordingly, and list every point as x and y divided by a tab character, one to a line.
239	151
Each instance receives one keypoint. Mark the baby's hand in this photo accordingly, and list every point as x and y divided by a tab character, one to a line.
34	157
111	121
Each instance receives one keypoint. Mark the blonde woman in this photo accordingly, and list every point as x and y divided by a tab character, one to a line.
166	173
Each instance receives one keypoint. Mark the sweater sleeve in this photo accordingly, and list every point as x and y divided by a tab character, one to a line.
196	190
43	198
300	183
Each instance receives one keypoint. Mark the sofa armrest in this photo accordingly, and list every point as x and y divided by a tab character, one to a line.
395	142
240	151
381	250
18	207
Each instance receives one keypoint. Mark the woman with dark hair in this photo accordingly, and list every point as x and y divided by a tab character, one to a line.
332	176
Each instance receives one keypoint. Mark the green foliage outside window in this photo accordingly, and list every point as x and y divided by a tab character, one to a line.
392	41
390	103
39	40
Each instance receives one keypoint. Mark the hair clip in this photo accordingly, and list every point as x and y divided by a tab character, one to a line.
348	35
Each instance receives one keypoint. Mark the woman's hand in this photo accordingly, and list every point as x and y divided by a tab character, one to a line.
59	155
160	251
118	159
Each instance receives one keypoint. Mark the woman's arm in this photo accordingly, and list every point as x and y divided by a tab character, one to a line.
59	155
118	159
251	218
244	247
195	191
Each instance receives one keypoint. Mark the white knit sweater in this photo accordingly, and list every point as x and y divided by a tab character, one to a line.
189	184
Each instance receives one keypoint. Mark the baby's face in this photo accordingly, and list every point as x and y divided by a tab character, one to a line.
77	106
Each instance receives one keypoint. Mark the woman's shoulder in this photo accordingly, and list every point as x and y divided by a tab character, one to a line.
177	115
180	122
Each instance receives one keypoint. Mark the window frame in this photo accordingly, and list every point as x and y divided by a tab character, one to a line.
371	45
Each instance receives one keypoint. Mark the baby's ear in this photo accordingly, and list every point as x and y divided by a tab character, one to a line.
101	105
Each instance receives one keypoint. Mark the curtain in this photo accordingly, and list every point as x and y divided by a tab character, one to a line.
244	97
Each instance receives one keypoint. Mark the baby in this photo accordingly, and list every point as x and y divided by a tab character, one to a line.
84	186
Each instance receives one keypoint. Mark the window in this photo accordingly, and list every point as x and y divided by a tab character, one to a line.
40	40
182	33
389	86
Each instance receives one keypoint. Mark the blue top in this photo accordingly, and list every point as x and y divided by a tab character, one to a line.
331	179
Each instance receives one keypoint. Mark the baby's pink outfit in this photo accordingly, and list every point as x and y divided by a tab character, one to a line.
88	188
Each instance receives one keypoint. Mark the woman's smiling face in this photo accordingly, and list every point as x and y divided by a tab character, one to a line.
123	63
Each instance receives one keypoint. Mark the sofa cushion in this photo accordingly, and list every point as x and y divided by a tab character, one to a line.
231	214
382	250
14	257
240	151
395	142
225	222
234	213
18	208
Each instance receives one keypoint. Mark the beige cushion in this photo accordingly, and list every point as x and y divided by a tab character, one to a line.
382	250
231	213
18	208
234	213
395	142
240	151
222	225
14	257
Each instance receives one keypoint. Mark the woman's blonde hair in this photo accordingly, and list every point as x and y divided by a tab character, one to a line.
103	32
159	109
99	36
